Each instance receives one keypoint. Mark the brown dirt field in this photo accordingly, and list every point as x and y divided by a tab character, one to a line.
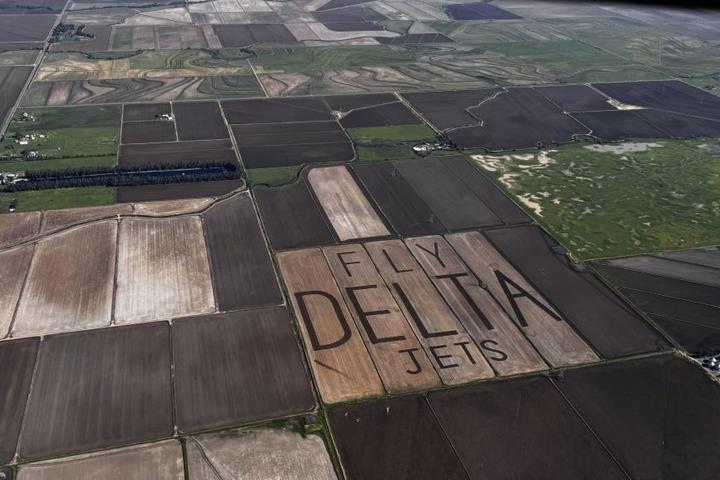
17	227
171	207
456	357
13	265
341	363
69	286
349	212
57	219
400	359
163	270
504	346
555	340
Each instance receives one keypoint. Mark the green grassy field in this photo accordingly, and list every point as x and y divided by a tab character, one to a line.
389	143
58	163
78	136
54	199
272	176
291	60
602	204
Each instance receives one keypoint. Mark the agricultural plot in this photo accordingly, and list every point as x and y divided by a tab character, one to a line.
34	6
157	37
26	28
617	125
110	369
35	200
17	228
476	421
18	358
379	110
576	98
211	127
608	324
60	219
288	132
346	207
159	461
242	270
155	131
237	368
338	358
169	154
152	193
402	363
291	217
260	452
232	36
545	327
500	340
13	80
634	197
18	57
513	119
70	282
478	11
662	437
679	290
446	110
413	445
15	264
162	270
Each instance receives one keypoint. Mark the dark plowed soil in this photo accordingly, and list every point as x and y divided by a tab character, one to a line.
618	125
199	121
576	98
154	131
147	111
150	193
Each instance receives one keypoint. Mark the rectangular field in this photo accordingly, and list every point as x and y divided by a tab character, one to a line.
501	342
25	28
246	365
242	269
339	360
199	121
85	384
70	282
176	153
13	81
163	270
402	363
154	131
453	353
150	193
14	264
344	204
18	227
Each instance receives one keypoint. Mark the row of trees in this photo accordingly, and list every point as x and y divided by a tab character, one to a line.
119	170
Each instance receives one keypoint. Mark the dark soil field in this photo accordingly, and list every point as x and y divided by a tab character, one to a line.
25	28
154	131
291	217
100	42
199	121
298	154
12	80
594	310
349	14
345	103
340	362
18	360
273	134
448	109
174	153
685	302
415	39
98	389
242	270
397	200
276	110
145	111
618	125
151	193
354	27
238	368
478	11
455	205
677	125
575	98
395	438
658	416
518	428
517	118
340	3
384	115
667	95
247	35
31	6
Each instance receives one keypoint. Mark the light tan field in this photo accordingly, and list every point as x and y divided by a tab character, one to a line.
58	219
163	270
554	338
399	357
18	227
349	212
171	207
504	346
456	357
341	363
14	265
160	461
70	283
